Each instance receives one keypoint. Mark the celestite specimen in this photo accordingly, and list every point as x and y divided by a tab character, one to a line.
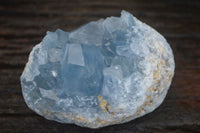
106	72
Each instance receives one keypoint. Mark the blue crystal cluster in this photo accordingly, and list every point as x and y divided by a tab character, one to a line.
108	71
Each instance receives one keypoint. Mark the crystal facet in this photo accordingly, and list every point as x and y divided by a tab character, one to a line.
105	72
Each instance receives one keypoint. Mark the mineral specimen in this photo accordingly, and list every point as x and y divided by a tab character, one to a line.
105	72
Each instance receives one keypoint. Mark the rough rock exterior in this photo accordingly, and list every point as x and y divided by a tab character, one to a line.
105	72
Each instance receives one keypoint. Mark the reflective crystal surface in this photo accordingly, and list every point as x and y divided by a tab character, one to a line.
106	72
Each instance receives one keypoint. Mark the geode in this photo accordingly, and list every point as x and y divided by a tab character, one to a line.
106	72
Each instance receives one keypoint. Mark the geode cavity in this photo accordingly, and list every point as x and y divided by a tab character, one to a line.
106	72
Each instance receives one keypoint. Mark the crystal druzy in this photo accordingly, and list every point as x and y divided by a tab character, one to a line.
106	72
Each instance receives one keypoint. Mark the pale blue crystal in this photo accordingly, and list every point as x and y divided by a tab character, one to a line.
105	72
